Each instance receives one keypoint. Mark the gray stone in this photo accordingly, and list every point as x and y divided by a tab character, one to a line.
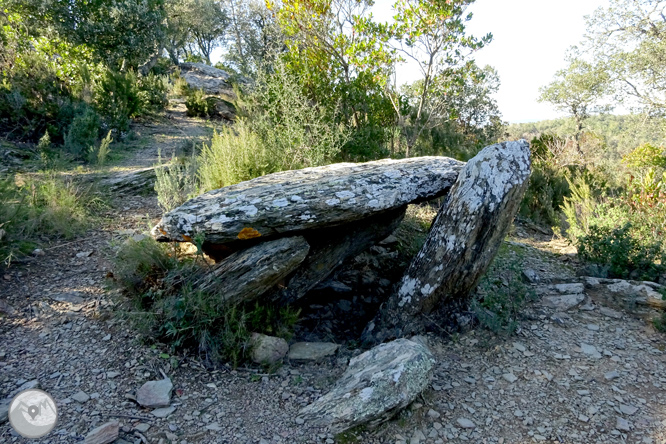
81	397
612	375
163	412
610	312
4	410
268	349
463	240
249	273
312	351
573	288
530	276
590	350
376	385
104	434
155	394
465	423
70	298
6	309
563	303
281	203
142	427
207	78
510	377
622	424
628	409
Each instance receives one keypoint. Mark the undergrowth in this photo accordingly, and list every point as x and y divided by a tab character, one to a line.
501	293
157	279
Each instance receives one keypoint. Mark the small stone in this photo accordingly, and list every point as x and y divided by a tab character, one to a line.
563	303
466	423
106	338
70	298
510	377
628	409
142	427
590	350
84	254
312	351
163	412
530	276
520	347
155	393
104	434
518	413
81	397
300	421
612	375
112	375
610	313
37	251
592	327
622	424
214	427
268	349
433	414
583	418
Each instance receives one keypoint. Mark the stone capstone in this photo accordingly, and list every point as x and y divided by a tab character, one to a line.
376	385
320	197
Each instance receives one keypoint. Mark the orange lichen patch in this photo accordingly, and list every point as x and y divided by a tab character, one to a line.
248	233
187	238
162	231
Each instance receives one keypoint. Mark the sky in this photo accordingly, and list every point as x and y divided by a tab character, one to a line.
530	39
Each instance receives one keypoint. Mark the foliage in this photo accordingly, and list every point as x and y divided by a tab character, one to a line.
646	156
175	182
117	98
199	105
39	207
501	293
102	152
167	308
83	132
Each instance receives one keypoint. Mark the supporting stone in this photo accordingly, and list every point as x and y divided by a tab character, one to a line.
462	242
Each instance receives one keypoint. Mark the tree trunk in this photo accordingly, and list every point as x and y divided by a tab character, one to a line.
462	242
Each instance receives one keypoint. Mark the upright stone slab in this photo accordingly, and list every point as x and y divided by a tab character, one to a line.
312	198
462	242
376	385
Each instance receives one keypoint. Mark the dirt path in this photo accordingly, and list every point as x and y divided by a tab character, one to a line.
540	385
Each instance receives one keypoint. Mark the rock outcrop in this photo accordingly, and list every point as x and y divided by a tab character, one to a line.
293	201
375	386
209	79
463	240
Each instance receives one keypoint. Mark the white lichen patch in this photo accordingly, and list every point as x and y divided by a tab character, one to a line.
366	393
282	202
296	198
374	203
407	290
249	210
345	194
332	202
398	372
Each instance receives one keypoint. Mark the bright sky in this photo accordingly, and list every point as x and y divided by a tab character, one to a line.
530	39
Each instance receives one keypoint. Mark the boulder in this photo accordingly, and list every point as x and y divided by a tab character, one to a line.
463	240
137	180
267	349
155	394
207	78
376	385
249	273
311	198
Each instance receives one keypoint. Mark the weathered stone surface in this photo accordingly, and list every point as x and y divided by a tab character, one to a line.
155	394
312	351
280	203
207	78
462	242
4	410
375	386
132	180
330	247
268	349
564	302
249	273
103	434
639	292
224	108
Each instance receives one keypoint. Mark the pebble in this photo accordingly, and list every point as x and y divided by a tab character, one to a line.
104	434
466	423
612	375
81	397
622	424
163	412
155	393
510	377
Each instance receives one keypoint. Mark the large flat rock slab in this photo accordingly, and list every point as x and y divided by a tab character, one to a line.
292	201
376	385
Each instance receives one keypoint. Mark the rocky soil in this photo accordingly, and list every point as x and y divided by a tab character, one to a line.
594	374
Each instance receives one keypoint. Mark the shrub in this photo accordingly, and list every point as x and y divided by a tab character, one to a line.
501	293
102	152
167	308
176	181
37	207
83	132
153	91
198	105
118	98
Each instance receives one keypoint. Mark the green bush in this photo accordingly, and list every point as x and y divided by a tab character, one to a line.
166	307
83	132
198	105
176	181
118	98
153	90
501	293
39	207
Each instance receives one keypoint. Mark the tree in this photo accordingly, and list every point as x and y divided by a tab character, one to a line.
432	33
629	38
576	90
208	25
